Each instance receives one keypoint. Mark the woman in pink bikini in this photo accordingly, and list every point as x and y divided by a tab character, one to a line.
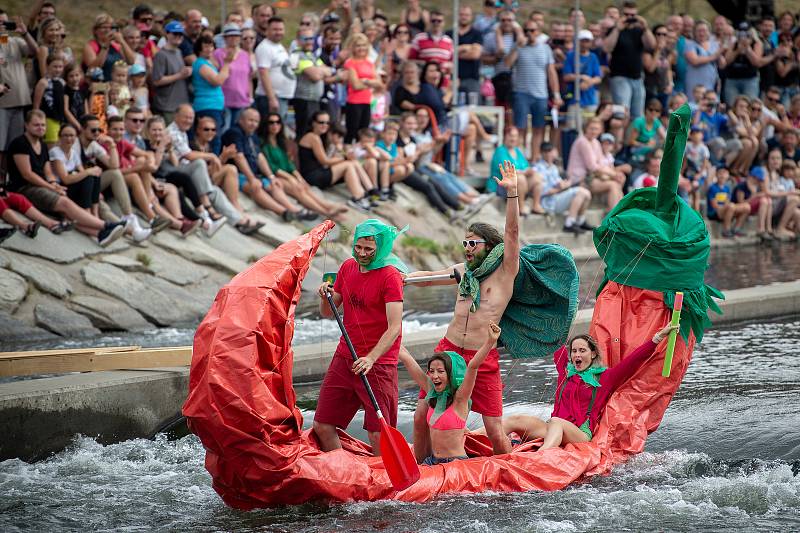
448	382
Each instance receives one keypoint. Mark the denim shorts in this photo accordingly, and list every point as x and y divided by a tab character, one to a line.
265	182
431	460
523	104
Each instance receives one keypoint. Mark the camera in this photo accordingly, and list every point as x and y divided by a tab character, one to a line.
742	34
9	25
631	20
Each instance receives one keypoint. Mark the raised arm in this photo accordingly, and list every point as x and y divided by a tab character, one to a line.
447	271
414	370
511	237
619	373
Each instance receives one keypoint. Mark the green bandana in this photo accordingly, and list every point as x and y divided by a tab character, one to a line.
384	236
470	281
458	369
588	375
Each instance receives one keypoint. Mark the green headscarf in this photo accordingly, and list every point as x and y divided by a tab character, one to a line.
588	375
384	236
458	369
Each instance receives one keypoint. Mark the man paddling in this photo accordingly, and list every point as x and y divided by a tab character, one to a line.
486	287
369	286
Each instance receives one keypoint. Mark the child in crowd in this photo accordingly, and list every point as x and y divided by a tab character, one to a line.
721	207
753	193
48	96
558	195
336	141
113	109
375	162
140	95
119	78
77	97
448	382
696	165
399	165
652	168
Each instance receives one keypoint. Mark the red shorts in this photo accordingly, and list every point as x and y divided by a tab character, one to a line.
343	393
755	203
487	396
14	201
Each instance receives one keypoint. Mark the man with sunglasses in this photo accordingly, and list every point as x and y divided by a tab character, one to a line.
169	75
487	284
134	124
311	73
434	46
470	48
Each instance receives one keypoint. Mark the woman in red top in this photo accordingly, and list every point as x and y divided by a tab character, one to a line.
361	79
584	388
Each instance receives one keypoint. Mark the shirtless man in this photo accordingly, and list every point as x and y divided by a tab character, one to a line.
468	329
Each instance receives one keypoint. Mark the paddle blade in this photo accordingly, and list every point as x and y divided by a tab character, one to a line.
397	458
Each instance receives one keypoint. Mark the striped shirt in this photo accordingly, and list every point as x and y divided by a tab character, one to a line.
529	74
426	48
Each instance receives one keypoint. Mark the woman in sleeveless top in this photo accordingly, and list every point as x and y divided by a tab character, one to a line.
399	47
415	17
449	382
107	47
322	171
51	42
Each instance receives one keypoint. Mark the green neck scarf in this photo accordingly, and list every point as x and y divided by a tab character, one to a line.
457	371
470	281
588	375
384	236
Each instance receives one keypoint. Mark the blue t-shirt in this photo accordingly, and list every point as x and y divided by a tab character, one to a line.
391	150
206	96
722	193
712	125
590	66
500	155
245	144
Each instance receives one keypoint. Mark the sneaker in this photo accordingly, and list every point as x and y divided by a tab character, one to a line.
739	232
573	229
478	156
159	224
110	233
189	226
362	204
141	234
586	226
307	214
287	216
212	226
727	234
383	196
5	233
392	195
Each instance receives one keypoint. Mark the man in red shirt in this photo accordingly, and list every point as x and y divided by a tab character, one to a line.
369	286
434	46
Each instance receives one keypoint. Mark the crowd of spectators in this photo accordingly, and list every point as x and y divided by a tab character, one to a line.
175	117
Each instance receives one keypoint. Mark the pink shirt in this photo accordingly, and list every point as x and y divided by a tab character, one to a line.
236	88
365	70
585	157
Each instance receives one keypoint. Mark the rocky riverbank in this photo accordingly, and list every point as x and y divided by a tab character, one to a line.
67	286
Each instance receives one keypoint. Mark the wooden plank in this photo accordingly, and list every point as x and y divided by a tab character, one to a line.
73	351
56	362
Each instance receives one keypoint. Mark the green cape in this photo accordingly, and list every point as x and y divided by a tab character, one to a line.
653	240
384	236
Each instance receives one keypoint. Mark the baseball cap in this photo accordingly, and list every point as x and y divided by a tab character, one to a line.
695	128
607	138
758	173
231	29
136	70
330	18
585	35
174	27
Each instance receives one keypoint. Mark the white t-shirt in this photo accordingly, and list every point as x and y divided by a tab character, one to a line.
275	57
70	162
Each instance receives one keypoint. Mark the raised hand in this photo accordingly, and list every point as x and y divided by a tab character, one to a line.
494	331
509	174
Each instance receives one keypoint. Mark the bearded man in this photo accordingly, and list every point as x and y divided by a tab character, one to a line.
369	287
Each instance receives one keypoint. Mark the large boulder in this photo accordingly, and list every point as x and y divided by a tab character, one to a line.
13	289
67	247
194	249
55	317
174	268
108	314
42	276
139	293
14	331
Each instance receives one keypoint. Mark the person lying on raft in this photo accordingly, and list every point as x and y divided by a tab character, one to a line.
584	388
448	385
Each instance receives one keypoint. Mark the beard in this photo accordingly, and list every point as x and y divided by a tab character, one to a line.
364	261
477	259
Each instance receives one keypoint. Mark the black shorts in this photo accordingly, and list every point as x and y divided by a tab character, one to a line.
714	216
321	178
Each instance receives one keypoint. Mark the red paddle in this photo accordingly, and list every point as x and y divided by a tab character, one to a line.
396	454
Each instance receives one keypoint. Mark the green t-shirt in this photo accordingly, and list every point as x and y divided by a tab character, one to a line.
502	154
277	158
643	134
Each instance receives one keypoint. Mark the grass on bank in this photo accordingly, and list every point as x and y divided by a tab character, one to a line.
78	15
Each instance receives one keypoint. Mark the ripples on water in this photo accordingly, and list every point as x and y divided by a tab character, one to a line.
722	460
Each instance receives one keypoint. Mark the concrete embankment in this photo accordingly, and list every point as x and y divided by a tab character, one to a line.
41	416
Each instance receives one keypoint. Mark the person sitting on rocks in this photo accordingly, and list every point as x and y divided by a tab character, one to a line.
256	178
721	207
559	195
12	204
31	175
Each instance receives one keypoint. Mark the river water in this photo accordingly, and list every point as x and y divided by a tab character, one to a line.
726	457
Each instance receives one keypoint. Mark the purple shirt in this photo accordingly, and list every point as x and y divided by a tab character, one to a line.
237	87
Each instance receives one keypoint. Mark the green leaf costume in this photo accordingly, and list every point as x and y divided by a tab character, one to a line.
384	236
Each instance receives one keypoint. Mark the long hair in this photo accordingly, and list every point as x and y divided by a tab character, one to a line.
314	117
487	232
448	369
280	137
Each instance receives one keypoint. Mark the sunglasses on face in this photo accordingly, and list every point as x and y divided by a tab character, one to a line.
305	23
136	120
322	122
773	100
506	20
209	129
307	39
471	243
94	130
273	122
661	34
531	30
437	21
146	20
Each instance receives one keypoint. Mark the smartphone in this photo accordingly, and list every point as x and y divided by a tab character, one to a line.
9	25
329	277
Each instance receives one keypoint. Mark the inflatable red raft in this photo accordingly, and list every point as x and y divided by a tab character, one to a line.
241	400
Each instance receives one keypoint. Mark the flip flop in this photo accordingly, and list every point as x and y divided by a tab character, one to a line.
31	230
61	227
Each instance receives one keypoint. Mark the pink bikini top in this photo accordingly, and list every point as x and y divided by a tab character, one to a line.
448	420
